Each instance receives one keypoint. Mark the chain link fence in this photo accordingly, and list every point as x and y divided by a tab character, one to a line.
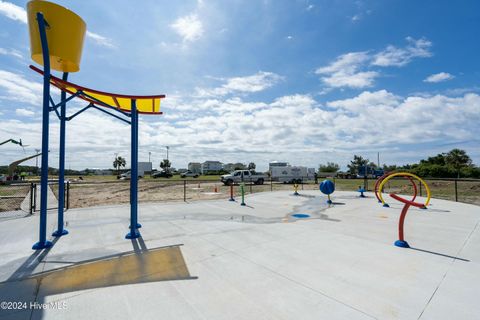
22	199
88	194
15	200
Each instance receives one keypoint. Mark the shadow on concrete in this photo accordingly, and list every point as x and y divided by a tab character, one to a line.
327	218
141	265
440	254
305	195
32	262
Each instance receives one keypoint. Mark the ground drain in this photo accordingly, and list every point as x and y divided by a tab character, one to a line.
301	215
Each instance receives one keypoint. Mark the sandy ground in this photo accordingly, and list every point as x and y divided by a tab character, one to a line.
88	195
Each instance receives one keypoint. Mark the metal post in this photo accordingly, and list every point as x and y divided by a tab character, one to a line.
61	164
133	234
420	188
43	242
231	193
242	190
35	197
271	182
185	190
31	197
68	195
456	191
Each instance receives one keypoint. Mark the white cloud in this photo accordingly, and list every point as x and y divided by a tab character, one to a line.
249	84
351	70
17	88
393	56
13	11
257	82
100	40
439	77
24	112
378	99
190	28
294	128
351	80
356	18
348	62
11	52
344	71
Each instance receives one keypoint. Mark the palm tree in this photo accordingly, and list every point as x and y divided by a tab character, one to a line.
119	162
165	165
458	159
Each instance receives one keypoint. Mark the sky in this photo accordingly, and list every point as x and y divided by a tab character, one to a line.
302	81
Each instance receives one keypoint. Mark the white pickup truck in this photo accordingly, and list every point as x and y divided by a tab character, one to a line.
238	176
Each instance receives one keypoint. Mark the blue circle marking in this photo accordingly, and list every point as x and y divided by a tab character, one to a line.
301	215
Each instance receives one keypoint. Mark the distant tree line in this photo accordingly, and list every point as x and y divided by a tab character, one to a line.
453	164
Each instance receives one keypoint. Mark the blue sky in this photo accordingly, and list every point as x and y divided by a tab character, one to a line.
299	81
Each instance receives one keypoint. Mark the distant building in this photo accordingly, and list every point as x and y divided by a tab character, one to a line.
209	166
234	166
195	167
277	164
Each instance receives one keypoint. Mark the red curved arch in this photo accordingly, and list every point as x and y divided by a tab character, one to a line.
404	213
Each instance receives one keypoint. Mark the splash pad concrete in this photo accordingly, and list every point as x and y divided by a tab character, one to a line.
219	260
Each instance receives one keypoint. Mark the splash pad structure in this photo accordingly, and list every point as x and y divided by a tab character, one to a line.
407	203
56	42
327	187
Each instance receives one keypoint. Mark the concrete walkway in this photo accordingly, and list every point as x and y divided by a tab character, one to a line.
52	201
219	260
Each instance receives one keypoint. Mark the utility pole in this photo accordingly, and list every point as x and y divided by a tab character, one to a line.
378	159
167	151
149	154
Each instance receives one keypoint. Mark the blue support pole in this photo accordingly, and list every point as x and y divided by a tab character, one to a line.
43	242
134	175
61	164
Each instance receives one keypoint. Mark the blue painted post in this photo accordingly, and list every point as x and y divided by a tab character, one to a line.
133	234
61	164
43	242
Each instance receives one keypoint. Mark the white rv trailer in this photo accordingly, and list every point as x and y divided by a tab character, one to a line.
292	174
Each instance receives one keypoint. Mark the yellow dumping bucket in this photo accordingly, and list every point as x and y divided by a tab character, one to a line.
65	34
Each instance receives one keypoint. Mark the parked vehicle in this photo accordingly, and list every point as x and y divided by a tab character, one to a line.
238	176
126	176
162	174
189	173
346	175
324	174
369	172
292	174
142	168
